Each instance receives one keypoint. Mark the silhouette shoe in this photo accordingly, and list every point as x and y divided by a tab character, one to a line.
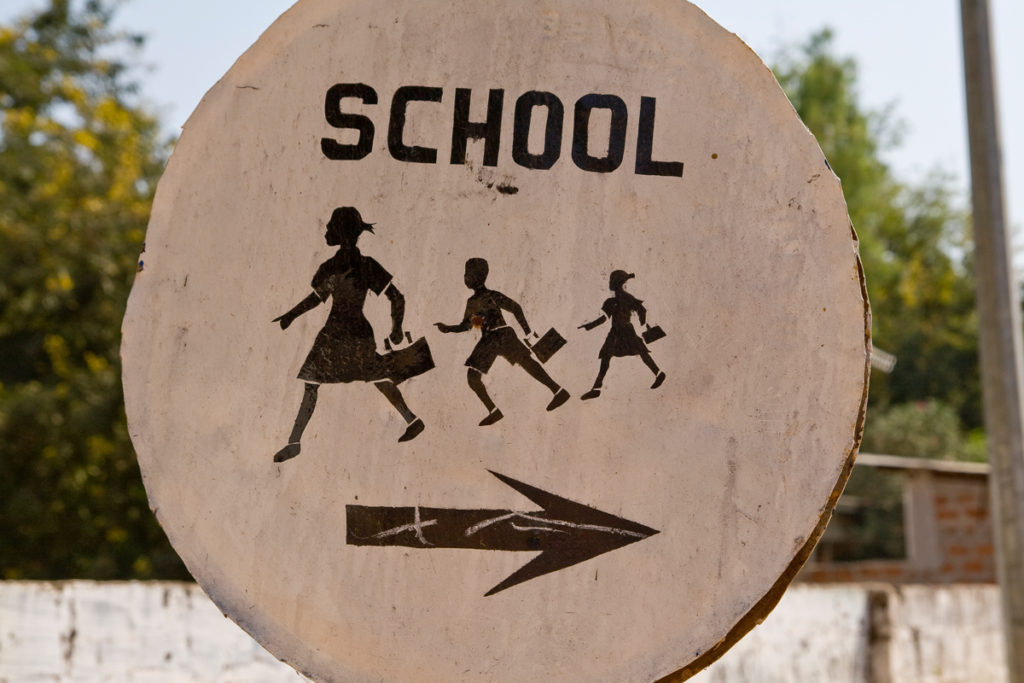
593	393
491	418
658	380
412	431
287	453
559	398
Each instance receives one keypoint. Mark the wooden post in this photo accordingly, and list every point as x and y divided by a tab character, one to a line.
999	326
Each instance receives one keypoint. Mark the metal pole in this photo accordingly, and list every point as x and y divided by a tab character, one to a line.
999	326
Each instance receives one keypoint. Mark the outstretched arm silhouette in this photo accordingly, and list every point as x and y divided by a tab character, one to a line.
461	327
307	304
593	323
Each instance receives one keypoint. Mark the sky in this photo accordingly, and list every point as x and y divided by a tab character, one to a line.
908	52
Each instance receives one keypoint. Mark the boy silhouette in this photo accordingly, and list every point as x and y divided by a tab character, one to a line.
483	311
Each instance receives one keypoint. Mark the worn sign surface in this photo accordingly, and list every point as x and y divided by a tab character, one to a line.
496	342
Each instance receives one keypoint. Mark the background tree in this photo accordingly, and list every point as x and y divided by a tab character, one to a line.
930	429
913	241
916	255
79	159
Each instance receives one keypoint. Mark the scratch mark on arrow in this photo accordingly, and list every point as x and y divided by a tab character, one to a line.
417	526
556	522
537	528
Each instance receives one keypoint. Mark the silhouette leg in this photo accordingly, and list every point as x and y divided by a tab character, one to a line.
301	420
536	370
649	362
659	376
601	372
305	412
476	383
394	396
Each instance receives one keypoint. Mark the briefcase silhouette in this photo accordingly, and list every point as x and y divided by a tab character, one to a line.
653	334
408	361
548	345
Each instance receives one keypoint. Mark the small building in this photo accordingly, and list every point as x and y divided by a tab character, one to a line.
909	520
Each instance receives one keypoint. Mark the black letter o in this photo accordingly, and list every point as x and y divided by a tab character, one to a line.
581	133
552	130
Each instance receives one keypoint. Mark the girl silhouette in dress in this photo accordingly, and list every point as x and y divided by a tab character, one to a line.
622	339
345	349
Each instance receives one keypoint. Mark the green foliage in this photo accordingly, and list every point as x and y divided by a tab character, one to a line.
913	242
928	429
78	164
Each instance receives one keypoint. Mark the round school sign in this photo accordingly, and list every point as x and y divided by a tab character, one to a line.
514	341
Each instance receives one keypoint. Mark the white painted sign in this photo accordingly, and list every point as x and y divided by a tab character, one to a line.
507	342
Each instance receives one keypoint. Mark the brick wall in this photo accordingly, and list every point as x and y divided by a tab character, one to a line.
965	530
948	529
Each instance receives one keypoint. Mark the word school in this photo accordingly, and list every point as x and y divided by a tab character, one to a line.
489	130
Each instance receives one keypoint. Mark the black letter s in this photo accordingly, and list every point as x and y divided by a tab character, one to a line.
333	149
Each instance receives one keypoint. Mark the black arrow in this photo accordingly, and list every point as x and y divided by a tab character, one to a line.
564	532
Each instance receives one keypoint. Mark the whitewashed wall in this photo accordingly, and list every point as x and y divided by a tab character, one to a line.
943	634
170	632
872	634
815	634
152	632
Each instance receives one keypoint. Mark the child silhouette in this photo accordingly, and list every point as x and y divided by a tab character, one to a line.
483	311
345	350
622	339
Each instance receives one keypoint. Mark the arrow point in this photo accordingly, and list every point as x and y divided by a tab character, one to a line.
604	532
571	510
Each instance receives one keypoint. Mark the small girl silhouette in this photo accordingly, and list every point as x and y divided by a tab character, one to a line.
622	339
